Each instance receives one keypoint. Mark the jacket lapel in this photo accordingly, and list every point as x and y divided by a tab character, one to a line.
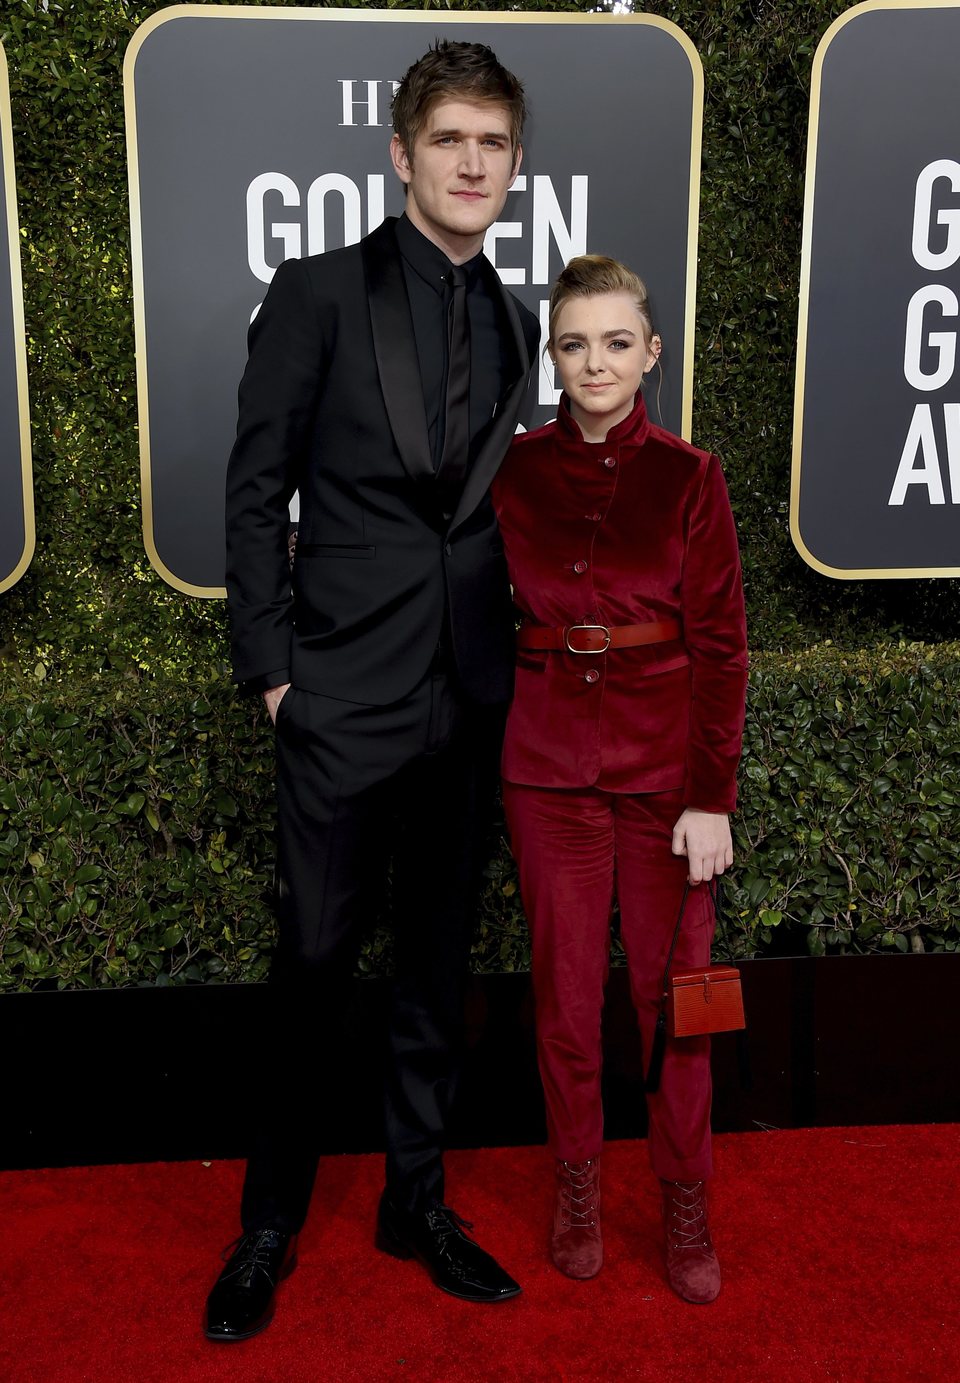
498	439
395	350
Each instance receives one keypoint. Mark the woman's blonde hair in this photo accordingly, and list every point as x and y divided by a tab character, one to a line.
587	276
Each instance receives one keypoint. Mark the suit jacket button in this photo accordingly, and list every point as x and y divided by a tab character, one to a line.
580	567
591	676
609	462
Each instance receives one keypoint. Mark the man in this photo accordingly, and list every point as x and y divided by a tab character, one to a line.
384	382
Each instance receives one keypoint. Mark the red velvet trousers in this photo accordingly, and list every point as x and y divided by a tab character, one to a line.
574	847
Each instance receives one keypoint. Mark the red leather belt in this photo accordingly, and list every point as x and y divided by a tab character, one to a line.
597	638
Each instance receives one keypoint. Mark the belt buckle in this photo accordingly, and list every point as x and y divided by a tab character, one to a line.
572	629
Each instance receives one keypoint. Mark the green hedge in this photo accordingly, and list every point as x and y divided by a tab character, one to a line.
136	831
134	826
90	600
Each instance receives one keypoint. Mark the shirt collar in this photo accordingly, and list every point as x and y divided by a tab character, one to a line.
427	259
635	427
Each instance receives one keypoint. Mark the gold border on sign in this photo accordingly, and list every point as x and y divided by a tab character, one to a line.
842	573
435	18
19	328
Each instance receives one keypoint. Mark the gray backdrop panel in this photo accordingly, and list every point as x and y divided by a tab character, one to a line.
13	462
222	99
889	105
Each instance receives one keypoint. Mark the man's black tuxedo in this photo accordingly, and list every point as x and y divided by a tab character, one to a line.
331	404
397	638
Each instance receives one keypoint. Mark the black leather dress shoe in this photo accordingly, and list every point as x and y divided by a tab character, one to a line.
435	1236
242	1299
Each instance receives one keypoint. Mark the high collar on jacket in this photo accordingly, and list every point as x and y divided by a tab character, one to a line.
633	429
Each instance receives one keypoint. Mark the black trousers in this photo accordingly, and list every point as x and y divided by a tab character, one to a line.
360	789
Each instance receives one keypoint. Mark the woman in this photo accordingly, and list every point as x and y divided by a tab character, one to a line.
622	743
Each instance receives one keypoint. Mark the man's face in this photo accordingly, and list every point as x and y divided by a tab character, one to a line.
461	171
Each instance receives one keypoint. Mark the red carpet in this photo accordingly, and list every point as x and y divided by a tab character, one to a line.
840	1250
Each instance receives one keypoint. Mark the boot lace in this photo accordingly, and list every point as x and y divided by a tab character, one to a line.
687	1222
579	1194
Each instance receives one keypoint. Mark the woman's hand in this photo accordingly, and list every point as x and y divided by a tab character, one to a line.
704	837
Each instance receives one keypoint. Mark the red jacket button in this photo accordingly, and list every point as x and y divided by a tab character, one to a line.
609	462
580	567
594	518
591	676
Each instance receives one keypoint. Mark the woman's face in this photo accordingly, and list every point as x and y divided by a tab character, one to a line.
601	352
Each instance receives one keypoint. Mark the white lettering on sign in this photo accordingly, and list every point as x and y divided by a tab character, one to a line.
548	219
368	105
569	233
568	230
346	189
942	169
287	232
943	342
333	212
506	230
546	374
929	355
346	204
921	444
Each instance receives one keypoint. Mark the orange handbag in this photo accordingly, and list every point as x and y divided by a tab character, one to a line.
706	999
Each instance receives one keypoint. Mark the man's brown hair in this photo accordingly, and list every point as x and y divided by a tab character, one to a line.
455	71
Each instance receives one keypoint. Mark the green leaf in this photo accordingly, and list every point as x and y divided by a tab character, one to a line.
115	701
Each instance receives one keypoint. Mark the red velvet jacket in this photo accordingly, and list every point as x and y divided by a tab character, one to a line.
634	528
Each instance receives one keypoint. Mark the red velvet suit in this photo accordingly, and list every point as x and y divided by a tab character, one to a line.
604	751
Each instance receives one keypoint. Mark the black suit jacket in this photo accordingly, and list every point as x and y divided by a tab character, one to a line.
331	404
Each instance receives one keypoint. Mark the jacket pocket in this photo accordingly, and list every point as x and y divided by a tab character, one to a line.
283	708
361	550
656	667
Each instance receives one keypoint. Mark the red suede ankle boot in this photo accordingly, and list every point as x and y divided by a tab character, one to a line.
692	1268
576	1245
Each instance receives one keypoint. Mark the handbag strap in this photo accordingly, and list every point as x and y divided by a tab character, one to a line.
715	889
664	990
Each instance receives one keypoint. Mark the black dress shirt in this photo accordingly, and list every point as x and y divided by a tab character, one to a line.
425	270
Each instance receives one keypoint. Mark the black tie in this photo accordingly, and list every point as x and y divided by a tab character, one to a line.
456	427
